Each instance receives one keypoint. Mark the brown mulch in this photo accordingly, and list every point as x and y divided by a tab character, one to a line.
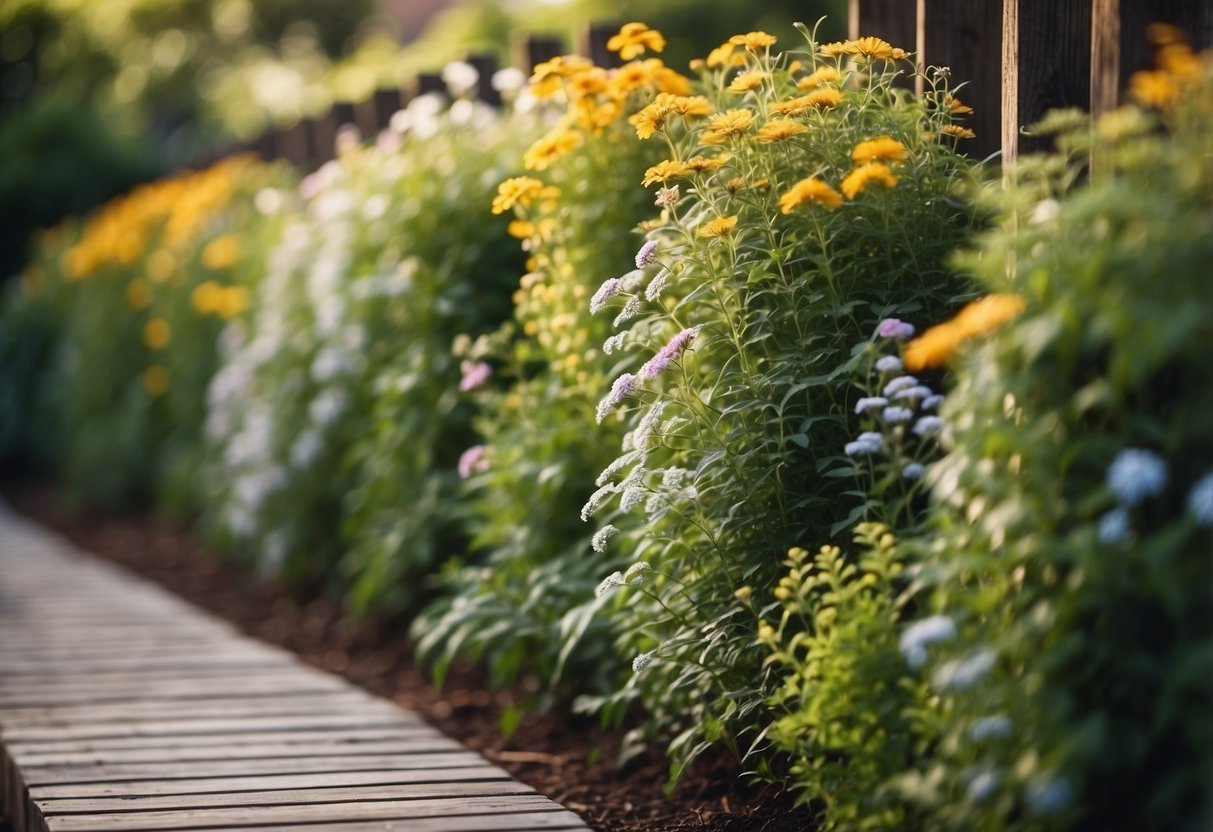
568	759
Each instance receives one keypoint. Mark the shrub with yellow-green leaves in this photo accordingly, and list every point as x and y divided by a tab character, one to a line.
110	337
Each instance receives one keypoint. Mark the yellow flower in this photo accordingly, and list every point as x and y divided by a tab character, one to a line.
653	117
521	229
160	265
723	56
664	171
957	131
779	129
857	180
1154	88
939	343
699	164
155	380
156	333
138	296
205	297
221	252
809	189
827	97
551	147
821	75
958	107
753	41
232	301
881	148
635	38
866	47
518	190
747	81
729	123
719	227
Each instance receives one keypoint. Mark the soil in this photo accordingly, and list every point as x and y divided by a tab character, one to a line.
566	758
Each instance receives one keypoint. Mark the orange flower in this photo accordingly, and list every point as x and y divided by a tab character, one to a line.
957	131
857	180
633	39
719	227
938	344
879	149
958	107
776	130
221	252
810	189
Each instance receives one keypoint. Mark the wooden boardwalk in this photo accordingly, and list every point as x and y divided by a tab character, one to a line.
124	708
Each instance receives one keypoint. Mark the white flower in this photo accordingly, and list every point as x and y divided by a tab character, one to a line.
637	573
508	81
652	292
599	541
460	77
621	462
899	383
1200	501
921	634
666	197
928	425
614	342
918	391
592	504
888	364
870	403
959	674
632	497
1114	527
630	311
643	661
1136	474
608	289
608	583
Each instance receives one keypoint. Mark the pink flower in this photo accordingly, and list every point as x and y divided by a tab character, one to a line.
472	461
646	256
621	388
475	373
656	365
893	328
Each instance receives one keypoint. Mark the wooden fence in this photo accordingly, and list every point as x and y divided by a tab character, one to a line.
1018	59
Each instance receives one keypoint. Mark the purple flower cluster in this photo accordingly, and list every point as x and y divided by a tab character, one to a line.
472	461
647	255
605	292
623	385
893	328
656	365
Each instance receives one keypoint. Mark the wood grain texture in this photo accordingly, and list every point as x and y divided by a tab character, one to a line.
123	708
966	37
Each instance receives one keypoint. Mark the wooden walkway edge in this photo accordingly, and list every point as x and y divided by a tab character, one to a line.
124	708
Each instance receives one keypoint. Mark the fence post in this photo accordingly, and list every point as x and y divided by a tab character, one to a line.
891	20
1046	63
537	49
387	102
596	44
486	67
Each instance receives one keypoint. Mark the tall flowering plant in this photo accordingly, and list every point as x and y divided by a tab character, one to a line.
523	598
802	200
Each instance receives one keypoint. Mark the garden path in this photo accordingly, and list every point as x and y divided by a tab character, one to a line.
125	708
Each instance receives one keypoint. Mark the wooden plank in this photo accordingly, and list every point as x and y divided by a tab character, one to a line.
401	810
267	782
891	20
379	715
282	797
89	773
230	738
227	706
513	822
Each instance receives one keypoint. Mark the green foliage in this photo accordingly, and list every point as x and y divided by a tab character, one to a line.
764	277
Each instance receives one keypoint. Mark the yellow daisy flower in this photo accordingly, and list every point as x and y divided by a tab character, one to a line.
776	130
809	190
754	41
881	148
719	227
633	39
859	179
728	123
519	190
939	343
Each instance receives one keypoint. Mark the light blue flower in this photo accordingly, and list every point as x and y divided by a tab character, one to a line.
918	636
989	727
896	415
928	425
913	471
1200	501
899	383
1136	474
869	403
983	785
932	402
1048	795
888	364
959	674
858	448
918	391
1114	526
